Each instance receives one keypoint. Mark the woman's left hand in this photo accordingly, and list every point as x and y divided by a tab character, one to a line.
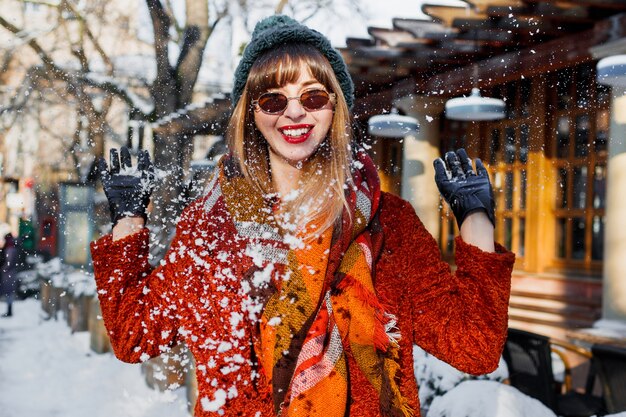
465	190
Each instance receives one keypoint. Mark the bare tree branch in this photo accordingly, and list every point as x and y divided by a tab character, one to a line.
196	35
169	9
280	6
90	35
7	55
161	24
112	87
316	6
41	2
45	58
72	78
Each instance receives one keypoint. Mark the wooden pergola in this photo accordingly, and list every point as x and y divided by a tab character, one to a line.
485	43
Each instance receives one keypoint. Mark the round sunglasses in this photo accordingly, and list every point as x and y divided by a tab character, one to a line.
275	103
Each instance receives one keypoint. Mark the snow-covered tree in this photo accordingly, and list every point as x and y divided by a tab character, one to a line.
81	57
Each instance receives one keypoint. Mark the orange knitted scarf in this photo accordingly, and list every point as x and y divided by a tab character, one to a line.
313	301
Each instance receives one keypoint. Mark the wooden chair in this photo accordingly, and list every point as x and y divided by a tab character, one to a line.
529	359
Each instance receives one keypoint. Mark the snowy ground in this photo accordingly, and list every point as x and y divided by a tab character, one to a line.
45	371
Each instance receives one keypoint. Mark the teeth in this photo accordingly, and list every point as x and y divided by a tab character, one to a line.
295	132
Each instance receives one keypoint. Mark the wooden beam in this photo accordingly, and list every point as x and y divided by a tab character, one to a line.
518	24
446	14
419	27
599	4
391	37
358	42
371	104
576	15
540	58
483	5
487	36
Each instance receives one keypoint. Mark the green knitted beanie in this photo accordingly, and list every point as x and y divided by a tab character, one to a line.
279	29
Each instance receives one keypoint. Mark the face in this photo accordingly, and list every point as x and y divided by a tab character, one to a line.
294	134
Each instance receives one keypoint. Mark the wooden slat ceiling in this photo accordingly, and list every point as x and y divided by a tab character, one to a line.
454	37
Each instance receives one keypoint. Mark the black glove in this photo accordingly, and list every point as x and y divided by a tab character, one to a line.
464	190
128	190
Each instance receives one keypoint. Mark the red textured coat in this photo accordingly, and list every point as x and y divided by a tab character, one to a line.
460	317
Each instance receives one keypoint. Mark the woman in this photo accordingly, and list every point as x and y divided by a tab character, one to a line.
8	271
296	283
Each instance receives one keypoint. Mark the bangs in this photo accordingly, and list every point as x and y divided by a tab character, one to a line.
282	65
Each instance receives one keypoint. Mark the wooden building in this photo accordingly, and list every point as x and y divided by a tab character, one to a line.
547	158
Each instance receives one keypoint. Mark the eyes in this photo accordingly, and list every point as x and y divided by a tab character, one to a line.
311	100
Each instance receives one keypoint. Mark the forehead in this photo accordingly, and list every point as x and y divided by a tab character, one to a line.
288	73
304	79
285	72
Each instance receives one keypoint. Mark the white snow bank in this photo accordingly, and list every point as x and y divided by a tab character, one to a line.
45	371
608	328
487	399
435	377
81	283
53	270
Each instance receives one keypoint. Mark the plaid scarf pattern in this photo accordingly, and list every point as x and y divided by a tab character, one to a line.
312	301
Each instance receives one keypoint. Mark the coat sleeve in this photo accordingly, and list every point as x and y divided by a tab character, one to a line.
461	317
139	304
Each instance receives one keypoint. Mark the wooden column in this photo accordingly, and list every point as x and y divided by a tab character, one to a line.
540	197
614	284
418	174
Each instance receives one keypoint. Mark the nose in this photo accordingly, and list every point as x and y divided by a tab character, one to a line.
294	109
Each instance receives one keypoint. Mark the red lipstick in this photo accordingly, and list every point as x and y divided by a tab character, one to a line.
299	138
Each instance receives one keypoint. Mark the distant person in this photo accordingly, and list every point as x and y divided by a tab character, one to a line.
296	283
8	272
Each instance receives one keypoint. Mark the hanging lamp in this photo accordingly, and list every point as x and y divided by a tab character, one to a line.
392	125
475	107
612	70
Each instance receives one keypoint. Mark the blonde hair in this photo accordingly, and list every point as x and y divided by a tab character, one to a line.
326	173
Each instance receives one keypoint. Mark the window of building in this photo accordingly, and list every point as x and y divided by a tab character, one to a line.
578	120
572	138
507	157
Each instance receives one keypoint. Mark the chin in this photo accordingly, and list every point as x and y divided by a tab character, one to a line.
299	156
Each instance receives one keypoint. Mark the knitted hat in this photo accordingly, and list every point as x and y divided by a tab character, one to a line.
277	30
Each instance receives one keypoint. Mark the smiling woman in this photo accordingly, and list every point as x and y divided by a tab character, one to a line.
297	284
295	118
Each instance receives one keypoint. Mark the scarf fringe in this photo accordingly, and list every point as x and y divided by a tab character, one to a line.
364	294
386	332
391	329
400	403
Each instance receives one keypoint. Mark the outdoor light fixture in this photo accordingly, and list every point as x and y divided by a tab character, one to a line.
475	107
392	125
612	70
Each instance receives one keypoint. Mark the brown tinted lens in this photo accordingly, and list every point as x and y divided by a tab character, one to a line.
272	102
314	100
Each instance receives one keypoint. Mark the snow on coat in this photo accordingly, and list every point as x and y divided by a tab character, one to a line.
459	317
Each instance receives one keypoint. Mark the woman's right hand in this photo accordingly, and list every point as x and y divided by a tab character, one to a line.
128	189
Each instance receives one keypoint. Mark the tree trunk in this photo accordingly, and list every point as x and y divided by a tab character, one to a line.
171	91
